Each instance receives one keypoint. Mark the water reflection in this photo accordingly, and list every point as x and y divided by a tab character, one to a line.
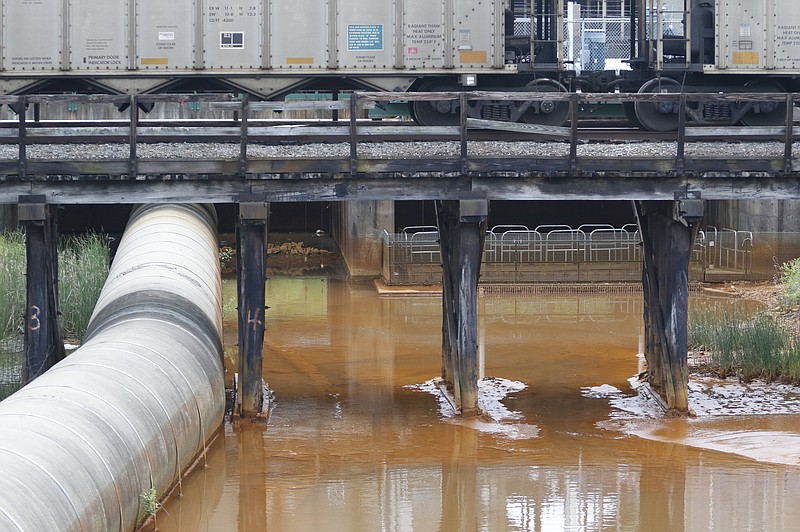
349	448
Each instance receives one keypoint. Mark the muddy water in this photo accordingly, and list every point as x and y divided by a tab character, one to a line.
349	447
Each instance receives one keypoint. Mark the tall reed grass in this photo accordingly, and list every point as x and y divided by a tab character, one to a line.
747	346
83	267
12	282
790	279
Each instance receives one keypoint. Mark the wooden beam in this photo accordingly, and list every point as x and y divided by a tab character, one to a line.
251	241
56	332
301	187
533	129
462	229
553	167
42	338
446	221
745	132
668	236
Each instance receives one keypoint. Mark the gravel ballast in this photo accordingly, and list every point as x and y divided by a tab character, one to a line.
399	150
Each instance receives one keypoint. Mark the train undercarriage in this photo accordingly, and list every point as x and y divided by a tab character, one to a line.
652	116
654	47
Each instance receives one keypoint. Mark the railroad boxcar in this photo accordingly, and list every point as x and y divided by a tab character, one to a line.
261	46
269	48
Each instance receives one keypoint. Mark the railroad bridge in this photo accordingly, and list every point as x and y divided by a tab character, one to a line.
252	163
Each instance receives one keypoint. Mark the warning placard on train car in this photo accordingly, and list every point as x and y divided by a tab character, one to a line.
365	37
787	36
424	35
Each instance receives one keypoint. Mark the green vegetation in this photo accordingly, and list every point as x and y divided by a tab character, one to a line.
227	259
790	278
12	282
83	267
10	371
150	504
752	346
748	347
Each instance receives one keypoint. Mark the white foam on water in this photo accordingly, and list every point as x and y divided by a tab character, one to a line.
642	414
707	397
495	416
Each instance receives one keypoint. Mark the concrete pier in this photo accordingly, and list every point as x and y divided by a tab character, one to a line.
358	227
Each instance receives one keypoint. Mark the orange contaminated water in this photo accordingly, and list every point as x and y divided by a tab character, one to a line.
349	447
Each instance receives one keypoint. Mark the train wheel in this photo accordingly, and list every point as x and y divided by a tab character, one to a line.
551	113
658	116
436	113
629	108
765	113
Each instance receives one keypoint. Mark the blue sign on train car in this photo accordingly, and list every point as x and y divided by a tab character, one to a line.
364	37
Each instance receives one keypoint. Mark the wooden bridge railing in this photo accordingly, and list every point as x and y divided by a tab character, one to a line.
243	130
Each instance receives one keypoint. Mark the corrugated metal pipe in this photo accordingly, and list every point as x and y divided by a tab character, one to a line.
134	406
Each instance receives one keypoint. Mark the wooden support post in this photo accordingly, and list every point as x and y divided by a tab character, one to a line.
668	232
462	230
243	132
56	333
445	216
133	139
43	344
251	242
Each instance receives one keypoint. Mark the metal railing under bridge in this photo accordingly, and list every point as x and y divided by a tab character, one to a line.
560	253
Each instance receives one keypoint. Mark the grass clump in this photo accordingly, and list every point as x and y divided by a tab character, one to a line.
753	346
746	346
82	269
790	279
12	283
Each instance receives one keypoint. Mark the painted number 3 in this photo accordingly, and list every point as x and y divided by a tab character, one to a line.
33	319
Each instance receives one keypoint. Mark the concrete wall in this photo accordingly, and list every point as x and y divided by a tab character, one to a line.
358	228
755	215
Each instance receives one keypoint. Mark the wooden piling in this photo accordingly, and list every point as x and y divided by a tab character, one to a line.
668	230
42	337
251	244
462	230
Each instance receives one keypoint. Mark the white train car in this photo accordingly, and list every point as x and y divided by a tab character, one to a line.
263	45
268	48
757	36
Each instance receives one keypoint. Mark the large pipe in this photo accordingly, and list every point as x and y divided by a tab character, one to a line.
134	406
